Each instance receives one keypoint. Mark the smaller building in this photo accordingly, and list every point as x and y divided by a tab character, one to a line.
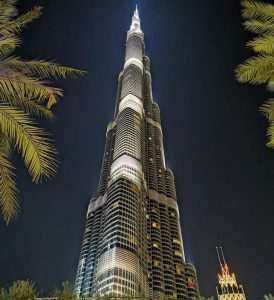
228	288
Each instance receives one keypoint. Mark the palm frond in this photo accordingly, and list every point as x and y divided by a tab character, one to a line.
15	26
31	107
256	70
7	10
41	68
270	134
31	141
259	27
264	44
17	85
268	109
257	10
8	190
7	46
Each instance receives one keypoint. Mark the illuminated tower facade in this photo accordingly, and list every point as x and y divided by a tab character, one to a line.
228	288
132	241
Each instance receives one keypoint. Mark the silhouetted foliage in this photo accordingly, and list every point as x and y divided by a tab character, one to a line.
19	290
65	293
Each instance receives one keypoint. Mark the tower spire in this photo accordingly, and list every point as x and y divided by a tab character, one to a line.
136	22
136	13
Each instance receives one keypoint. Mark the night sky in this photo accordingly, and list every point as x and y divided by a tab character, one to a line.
214	137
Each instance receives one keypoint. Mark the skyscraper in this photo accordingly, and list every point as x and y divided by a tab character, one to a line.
228	288
132	242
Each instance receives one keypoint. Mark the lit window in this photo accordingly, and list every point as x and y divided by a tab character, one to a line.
114	205
176	241
178	253
179	269
155	225
156	263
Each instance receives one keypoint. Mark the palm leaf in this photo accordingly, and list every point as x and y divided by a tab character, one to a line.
8	190
259	27
268	109
14	84
7	46
24	93
31	107
257	10
16	25
264	44
7	10
256	70
31	141
40	68
270	134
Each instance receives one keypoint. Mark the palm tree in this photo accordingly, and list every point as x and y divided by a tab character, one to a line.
24	96
259	69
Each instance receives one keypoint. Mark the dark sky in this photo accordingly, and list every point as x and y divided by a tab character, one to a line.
214	137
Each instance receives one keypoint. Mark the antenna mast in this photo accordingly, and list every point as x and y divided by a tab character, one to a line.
219	258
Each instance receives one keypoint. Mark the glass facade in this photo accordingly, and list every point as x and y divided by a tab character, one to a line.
132	242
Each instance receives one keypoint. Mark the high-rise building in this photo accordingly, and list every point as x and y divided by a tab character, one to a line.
132	242
228	288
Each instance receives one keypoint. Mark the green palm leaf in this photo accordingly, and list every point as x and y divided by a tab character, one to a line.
33	142
256	70
257	10
8	190
7	10
15	26
7	46
14	84
264	44
259	69
259	27
31	107
268	109
270	134
40	68
24	93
